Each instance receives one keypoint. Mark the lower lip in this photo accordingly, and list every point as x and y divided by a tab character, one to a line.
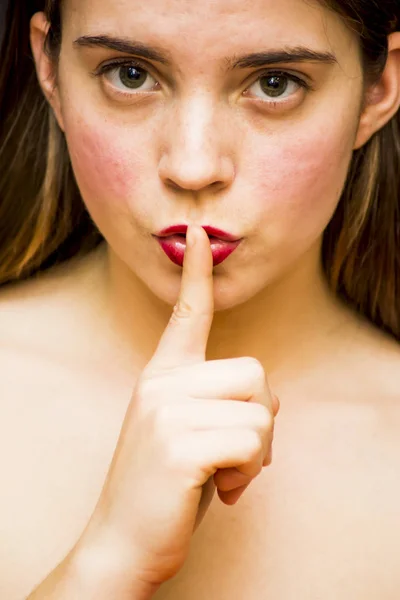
174	247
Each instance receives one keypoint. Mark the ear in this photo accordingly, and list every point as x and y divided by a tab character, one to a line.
383	99
45	67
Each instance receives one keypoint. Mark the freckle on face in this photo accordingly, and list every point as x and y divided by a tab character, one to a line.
292	184
102	167
299	179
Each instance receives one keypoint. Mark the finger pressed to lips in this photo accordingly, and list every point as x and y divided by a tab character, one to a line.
185	338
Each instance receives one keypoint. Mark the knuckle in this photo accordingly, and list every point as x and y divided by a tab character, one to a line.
147	387
182	310
151	403
255	368
254	446
157	385
264	418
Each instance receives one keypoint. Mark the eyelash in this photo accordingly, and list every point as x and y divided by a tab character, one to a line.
107	68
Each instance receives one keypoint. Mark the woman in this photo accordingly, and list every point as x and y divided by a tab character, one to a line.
126	127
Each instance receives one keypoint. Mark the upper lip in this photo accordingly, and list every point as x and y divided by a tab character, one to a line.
211	232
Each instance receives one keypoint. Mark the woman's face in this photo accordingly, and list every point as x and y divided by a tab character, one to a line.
256	149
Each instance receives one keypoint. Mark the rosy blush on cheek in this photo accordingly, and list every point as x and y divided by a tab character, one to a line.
104	171
305	178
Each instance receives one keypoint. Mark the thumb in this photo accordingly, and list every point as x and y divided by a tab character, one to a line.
185	338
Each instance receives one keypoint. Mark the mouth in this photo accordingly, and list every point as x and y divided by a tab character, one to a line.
182	237
213	233
174	246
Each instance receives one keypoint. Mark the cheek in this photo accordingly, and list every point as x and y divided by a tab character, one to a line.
104	169
300	182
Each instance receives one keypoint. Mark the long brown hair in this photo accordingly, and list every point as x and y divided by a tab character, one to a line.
43	220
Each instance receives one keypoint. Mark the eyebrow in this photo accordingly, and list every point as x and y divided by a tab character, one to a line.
257	59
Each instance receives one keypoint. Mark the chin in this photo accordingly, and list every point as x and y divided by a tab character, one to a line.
228	293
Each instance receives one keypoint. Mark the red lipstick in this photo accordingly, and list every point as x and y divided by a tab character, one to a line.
173	241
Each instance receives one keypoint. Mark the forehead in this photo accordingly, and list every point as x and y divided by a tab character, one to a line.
212	27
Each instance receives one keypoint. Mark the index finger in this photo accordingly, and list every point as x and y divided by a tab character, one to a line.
185	338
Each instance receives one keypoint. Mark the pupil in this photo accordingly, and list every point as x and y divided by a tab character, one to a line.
132	77
274	85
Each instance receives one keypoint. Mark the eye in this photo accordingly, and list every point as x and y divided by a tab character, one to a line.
277	86
127	77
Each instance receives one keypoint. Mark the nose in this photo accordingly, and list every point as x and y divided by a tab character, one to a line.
196	149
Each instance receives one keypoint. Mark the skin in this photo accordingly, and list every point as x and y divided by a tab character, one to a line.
204	145
323	520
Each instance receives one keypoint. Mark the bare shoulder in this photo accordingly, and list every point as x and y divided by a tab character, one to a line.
358	389
353	389
35	312
376	362
49	333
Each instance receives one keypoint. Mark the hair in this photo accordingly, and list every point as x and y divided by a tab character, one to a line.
44	221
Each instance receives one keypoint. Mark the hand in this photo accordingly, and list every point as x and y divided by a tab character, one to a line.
192	427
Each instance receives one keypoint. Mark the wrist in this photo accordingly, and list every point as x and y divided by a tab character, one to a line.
106	573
